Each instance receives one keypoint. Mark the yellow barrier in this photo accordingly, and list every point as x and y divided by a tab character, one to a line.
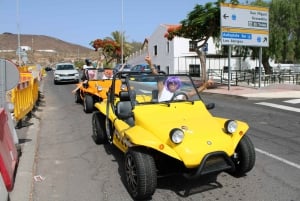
25	95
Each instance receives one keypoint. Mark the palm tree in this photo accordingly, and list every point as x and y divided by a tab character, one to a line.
117	37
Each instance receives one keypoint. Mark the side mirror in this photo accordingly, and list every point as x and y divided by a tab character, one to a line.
210	106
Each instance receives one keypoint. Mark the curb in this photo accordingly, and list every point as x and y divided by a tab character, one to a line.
23	183
23	186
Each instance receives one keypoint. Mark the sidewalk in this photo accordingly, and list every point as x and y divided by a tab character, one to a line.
251	92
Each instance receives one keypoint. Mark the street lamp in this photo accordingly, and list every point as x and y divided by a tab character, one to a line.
122	32
18	28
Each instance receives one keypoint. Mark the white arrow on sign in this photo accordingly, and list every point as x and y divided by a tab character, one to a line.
244	25
243	16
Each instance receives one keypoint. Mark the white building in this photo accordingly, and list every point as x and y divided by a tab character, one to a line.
25	48
175	56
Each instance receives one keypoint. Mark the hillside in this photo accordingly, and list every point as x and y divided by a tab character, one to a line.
44	49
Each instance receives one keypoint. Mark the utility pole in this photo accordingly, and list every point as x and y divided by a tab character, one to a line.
18	28
78	54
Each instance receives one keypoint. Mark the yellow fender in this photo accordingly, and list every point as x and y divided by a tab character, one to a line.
137	136
241	131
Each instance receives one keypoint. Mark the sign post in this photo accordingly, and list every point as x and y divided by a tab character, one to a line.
244	25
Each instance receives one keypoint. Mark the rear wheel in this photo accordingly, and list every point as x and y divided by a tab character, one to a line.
244	157
88	104
140	174
98	123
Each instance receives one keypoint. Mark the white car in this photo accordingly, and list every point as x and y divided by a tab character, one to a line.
65	72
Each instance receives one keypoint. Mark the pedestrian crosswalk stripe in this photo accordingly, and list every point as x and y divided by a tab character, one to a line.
293	101
283	107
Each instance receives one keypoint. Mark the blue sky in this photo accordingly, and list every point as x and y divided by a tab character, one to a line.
79	21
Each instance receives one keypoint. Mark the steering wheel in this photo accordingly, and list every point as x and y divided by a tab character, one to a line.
181	93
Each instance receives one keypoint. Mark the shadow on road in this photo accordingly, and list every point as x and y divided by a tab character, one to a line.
181	186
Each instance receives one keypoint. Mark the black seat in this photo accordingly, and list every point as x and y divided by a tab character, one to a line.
124	108
124	96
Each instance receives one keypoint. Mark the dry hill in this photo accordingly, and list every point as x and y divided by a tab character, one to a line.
43	49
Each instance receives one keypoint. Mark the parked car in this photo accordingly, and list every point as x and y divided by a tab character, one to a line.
141	68
48	68
162	137
65	72
127	67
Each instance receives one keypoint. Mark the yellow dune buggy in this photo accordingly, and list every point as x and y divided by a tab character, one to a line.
177	136
92	90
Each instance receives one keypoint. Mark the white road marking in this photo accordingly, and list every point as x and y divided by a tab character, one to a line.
278	158
283	107
293	101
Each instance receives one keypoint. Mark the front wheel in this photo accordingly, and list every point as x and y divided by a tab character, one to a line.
98	123
244	157
88	104
140	174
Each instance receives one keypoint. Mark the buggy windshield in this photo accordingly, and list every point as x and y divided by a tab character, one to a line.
149	88
95	74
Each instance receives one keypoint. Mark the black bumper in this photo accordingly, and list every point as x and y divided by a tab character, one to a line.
212	163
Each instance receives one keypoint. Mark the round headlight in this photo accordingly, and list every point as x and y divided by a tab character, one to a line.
176	135
230	126
99	88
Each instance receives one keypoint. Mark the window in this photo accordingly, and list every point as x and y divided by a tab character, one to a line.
192	46
194	70
155	49
168	47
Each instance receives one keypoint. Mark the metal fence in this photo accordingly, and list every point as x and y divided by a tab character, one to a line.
252	77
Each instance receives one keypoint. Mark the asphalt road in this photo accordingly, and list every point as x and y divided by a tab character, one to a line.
68	165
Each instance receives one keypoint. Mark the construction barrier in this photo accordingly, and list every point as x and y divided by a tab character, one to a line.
25	95
8	152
